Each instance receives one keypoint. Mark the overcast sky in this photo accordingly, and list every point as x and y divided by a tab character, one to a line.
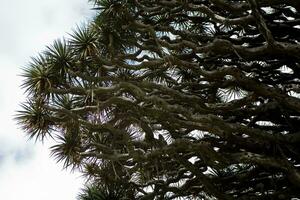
26	27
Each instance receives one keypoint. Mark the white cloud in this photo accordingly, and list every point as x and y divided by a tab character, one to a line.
27	26
41	178
26	170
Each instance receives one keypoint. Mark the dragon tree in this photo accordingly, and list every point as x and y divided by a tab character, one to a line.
174	99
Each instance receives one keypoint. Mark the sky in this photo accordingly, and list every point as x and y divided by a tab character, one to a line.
26	169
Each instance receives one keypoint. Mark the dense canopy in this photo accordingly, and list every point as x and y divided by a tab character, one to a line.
174	99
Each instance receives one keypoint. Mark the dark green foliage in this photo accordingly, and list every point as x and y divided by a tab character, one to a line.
174	100
104	192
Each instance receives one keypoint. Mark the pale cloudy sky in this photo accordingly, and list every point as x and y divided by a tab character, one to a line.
26	27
